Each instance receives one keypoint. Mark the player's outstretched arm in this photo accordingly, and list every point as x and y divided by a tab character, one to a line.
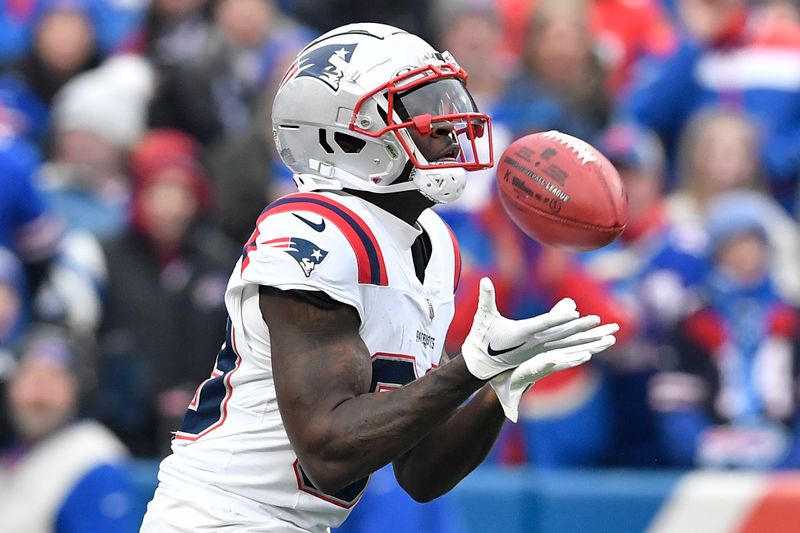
515	354
322	372
453	449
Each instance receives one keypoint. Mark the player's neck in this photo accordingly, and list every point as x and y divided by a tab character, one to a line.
406	205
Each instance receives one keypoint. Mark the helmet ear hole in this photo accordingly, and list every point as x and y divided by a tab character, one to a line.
323	141
348	143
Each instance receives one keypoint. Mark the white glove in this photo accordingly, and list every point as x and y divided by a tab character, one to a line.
496	344
572	351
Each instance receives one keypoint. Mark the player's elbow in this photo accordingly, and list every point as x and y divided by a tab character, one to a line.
332	460
420	492
420	489
423	496
328	478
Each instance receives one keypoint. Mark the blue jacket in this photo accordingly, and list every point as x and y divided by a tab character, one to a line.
758	73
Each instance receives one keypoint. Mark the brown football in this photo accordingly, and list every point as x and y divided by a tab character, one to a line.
562	191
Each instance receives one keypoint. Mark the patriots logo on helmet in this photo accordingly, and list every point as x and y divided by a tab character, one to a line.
324	63
307	254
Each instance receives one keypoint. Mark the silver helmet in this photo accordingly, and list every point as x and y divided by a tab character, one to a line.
345	111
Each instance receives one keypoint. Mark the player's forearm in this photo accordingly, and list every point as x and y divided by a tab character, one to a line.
368	431
453	450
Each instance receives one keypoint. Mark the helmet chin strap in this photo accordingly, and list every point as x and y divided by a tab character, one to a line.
438	185
330	178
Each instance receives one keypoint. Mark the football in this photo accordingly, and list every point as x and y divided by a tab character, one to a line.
562	191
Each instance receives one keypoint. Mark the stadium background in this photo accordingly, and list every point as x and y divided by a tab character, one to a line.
135	155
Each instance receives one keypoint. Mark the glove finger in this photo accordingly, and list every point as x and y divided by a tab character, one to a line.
565	305
530	371
486	297
602	344
538	324
568	329
577	359
601	330
595	346
583	337
545	364
562	360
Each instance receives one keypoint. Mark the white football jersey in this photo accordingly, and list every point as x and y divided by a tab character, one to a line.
231	458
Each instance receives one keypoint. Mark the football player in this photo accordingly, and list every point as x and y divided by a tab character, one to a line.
340	303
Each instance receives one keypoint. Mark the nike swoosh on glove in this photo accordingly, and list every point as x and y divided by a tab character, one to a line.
567	353
496	344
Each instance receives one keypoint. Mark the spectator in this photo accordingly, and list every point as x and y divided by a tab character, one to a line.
719	152
164	296
59	473
411	15
27	227
71	294
245	168
598	412
251	46
247	176
630	32
116	22
734	57
489	244
471	32
561	84
97	117
655	262
173	33
726	394
625	33
648	273
60	271
63	46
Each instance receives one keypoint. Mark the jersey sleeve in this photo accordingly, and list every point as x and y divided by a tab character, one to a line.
301	250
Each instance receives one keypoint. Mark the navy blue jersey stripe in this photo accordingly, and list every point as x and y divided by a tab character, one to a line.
369	245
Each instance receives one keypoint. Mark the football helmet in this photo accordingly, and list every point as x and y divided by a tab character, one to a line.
345	112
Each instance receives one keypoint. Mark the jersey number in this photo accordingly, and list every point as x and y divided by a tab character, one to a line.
389	371
208	408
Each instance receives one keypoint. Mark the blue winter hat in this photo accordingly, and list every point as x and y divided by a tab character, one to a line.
737	213
48	344
45	7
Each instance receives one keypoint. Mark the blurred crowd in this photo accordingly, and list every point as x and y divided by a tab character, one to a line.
136	154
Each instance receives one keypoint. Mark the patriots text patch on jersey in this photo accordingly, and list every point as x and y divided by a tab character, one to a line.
307	254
